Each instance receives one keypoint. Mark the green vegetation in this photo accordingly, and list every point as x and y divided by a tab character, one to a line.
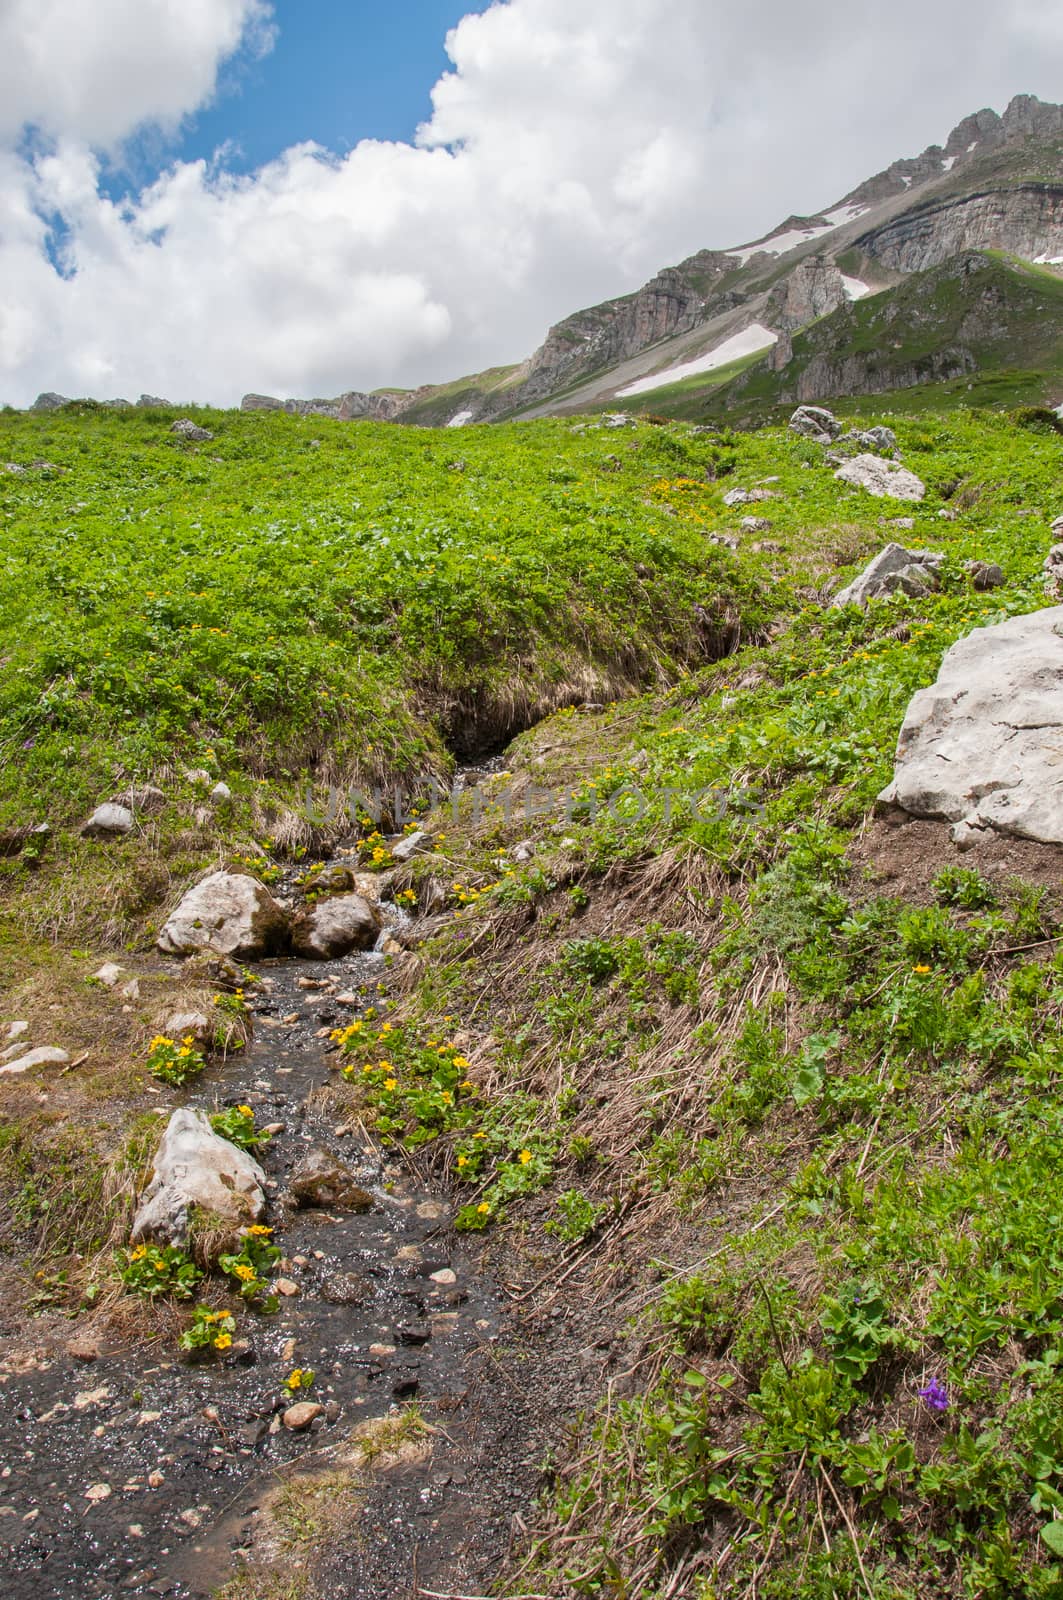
792	1081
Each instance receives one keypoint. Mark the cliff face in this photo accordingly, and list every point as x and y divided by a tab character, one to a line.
1028	221
812	290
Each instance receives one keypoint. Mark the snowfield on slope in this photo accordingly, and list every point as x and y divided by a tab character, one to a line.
748	342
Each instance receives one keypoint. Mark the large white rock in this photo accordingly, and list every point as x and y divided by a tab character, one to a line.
885	479
815	423
912	572
983	746
228	912
194	1167
336	926
108	822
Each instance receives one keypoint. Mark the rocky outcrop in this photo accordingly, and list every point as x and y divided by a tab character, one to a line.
884	479
194	1168
185	428
813	289
230	913
351	407
983	746
1027	220
894	570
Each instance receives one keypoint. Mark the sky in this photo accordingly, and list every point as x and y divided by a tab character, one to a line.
200	198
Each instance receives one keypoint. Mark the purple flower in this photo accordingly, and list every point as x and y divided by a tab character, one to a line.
27	744
935	1395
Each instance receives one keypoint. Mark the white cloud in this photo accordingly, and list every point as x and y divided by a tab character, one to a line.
572	151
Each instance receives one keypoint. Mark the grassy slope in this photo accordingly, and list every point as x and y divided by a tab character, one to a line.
1008	317
789	1092
799	1128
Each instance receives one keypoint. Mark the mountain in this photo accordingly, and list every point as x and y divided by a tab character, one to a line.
697	328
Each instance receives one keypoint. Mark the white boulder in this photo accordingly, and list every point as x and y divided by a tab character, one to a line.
815	423
194	1167
108	822
228	912
410	845
885	479
983	745
45	1056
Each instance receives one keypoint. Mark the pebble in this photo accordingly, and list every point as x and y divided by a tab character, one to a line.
445	1275
293	1016
300	1416
286	1287
432	1211
275	1129
156	1479
83	1347
288	1350
379	1350
98	1492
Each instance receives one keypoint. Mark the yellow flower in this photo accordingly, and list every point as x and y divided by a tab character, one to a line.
524	1157
244	1272
463	1161
480	1135
259	1231
921	969
245	1111
391	1084
483	1208
461	1063
223	1341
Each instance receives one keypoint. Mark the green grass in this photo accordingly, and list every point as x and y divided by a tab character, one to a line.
818	1117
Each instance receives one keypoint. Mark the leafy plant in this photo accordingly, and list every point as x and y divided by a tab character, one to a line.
209	1331
154	1269
174	1063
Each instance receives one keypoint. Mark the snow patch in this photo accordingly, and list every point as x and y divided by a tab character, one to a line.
779	243
844	214
1048	261
751	340
949	162
854	288
460	420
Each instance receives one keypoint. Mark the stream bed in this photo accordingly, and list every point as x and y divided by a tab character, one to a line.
138	1472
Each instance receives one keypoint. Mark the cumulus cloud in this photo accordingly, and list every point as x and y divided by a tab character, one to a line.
571	151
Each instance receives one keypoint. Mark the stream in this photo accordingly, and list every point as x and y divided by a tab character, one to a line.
139	1472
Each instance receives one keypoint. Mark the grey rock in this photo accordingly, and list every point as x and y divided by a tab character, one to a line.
410	846
45	1056
985	575
152	400
878	438
1057	526
49	402
912	572
344	1289
109	975
194	1167
16	1030
755	525
815	423
108	822
881	478
298	1418
984	744
220	793
185	428
182	1024
228	912
333	879
335	927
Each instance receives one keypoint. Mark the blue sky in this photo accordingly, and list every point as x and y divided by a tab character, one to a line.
339	71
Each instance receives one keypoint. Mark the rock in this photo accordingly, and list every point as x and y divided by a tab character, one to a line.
220	793
49	402
984	744
130	990
108	975
815	423
195	1167
321	1179
410	846
287	1288
737	497
524	851
906	524
390	946
299	1417
1057	526
984	574
755	525
84	1347
153	400
1053	570
618	419
108	822
344	1289
16	1030
335	927
912	572
885	479
185	428
180	1024
334	879
230	913
445	1277
878	439
413	1333
144	797
197	775
44	1056
964	836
